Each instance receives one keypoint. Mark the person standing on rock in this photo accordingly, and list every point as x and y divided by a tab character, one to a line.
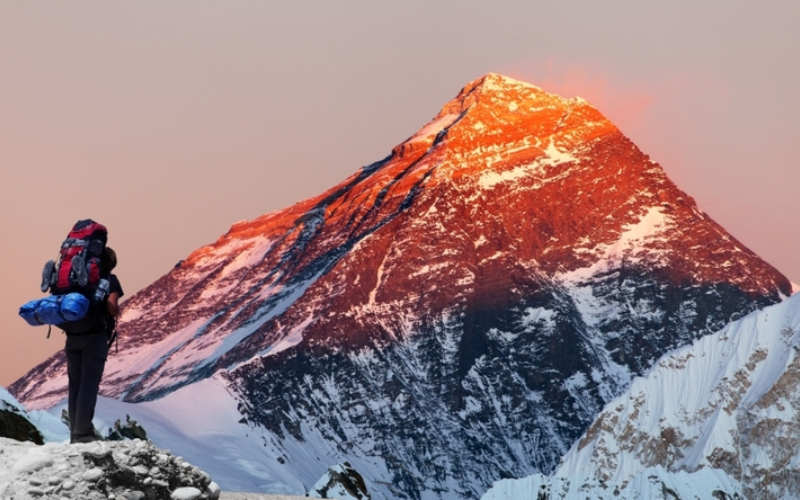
86	355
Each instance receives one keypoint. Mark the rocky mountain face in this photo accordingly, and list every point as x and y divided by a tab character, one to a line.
14	422
721	415
456	313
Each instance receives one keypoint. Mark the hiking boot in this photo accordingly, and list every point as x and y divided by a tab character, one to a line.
79	270
86	438
47	275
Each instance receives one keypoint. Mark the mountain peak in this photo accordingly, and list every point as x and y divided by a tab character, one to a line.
481	292
496	111
496	81
504	91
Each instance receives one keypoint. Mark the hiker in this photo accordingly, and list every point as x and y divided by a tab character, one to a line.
84	302
87	352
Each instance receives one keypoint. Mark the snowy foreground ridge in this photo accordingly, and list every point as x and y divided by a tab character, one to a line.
717	419
122	469
131	469
125	470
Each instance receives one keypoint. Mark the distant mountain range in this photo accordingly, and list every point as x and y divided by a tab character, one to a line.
457	313
716	419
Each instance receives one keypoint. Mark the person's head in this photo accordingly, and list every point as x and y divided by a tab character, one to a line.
109	259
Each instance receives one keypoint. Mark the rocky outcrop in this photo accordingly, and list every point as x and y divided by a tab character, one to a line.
341	481
14	423
130	470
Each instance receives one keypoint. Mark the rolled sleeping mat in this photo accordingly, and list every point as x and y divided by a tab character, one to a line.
55	309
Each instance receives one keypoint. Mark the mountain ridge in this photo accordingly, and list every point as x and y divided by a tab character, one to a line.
721	411
492	283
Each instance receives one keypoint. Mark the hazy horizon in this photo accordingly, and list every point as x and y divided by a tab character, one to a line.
170	122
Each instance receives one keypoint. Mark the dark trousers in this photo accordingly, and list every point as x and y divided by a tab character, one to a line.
86	359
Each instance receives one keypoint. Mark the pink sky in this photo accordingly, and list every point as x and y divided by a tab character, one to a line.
168	122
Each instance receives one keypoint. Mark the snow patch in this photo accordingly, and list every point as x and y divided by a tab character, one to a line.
532	316
555	155
294	337
481	241
631	241
7	398
630	247
373	294
434	127
575	383
552	156
500	83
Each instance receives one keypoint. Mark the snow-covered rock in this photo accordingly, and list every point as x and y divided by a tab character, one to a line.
14	420
341	481
101	470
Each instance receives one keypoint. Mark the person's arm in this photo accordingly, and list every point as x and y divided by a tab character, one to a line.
112	305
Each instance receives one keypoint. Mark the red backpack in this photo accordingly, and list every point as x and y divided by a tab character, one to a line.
78	267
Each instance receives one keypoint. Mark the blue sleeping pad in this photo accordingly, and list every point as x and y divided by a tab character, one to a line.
55	309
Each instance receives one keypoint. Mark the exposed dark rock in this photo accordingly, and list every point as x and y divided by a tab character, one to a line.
15	426
341	481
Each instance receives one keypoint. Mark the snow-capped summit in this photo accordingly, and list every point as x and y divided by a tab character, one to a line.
455	313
